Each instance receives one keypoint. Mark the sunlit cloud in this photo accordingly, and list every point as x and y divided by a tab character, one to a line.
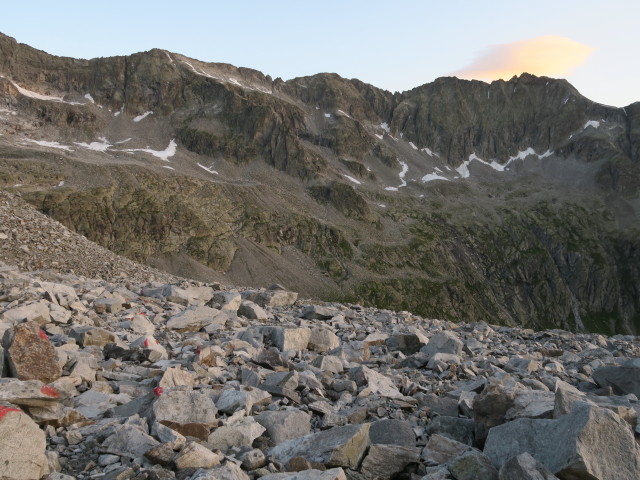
551	55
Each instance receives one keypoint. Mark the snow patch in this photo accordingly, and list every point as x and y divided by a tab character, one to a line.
385	127
44	143
139	118
208	169
413	145
381	137
167	166
405	169
89	97
463	170
341	112
170	151
102	146
433	176
38	96
357	182
391	189
61	183
201	73
327	115
382	205
430	152
591	123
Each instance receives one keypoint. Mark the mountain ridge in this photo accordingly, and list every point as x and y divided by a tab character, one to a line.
366	188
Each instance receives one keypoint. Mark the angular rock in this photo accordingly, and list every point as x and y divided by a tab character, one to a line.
271	298
185	411
525	467
129	441
228	471
239	433
59	293
328	363
162	454
590	442
195	318
252	459
150	347
440	450
140	324
22	446
392	432
252	311
318	312
376	382
232	400
384	461
455	428
322	340
443	342
86	336
168	436
472	465
175	377
332	474
32	312
285	425
194	455
531	404
182	296
336	447
523	365
407	343
30	354
490	408
107	305
623	379
286	339
229	301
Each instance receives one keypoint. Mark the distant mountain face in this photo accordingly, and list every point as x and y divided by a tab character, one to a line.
512	202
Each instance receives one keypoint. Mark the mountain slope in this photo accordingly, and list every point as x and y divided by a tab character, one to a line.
512	202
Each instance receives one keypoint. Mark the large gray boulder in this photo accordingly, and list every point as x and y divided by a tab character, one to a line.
290	338
22	447
443	342
30	354
194	318
590	442
285	425
186	411
472	465
525	467
332	474
129	441
36	312
376	382
624	379
336	447
385	461
238	433
490	407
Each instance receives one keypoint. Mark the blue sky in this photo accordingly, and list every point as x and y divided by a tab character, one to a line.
393	45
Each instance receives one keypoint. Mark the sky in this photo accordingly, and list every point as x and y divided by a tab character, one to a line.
395	45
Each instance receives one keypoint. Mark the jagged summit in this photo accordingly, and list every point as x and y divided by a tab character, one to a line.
510	202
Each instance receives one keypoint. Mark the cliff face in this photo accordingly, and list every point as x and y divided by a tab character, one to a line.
513	202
